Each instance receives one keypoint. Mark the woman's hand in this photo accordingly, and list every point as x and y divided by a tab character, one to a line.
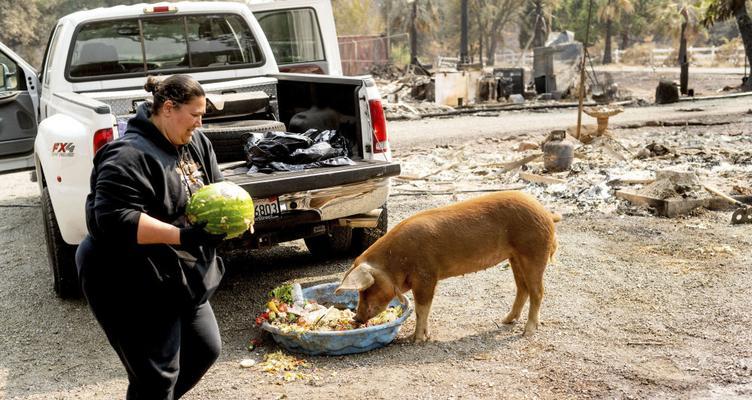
196	235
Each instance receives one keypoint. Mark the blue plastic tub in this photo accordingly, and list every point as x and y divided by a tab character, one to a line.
338	342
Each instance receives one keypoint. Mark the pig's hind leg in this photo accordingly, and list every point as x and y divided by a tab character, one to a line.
522	293
533	268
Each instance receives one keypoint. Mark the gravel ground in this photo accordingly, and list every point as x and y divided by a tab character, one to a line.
636	307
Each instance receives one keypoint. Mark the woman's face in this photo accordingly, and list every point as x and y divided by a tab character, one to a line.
179	121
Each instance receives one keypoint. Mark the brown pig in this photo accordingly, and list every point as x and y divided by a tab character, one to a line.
454	240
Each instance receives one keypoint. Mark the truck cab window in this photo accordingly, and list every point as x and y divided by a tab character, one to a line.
294	35
171	45
164	42
221	40
106	48
50	56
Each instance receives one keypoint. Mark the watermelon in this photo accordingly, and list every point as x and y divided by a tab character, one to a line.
224	206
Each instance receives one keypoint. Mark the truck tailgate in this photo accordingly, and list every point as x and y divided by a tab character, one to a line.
281	182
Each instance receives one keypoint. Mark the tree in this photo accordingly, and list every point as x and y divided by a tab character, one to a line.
634	26
538	20
670	16
541	28
720	10
23	24
609	12
491	17
680	21
356	17
420	21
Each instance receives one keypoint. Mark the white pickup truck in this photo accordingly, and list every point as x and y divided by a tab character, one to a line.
53	121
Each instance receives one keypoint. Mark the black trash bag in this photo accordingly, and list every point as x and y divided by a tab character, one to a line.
318	151
330	136
284	151
274	146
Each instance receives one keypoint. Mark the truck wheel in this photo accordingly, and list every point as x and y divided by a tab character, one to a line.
335	243
228	138
363	238
61	255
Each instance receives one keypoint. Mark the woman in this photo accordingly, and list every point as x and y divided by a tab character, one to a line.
146	273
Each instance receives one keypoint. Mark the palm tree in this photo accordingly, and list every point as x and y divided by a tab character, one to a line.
679	20
541	28
720	10
608	12
421	20
536	21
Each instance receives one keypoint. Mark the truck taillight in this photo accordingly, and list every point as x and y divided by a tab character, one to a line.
378	123
101	137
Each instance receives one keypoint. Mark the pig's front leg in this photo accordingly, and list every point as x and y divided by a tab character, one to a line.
423	297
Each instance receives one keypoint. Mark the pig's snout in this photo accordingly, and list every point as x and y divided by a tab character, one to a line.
360	319
362	314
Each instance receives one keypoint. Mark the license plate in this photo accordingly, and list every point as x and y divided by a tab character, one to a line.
266	208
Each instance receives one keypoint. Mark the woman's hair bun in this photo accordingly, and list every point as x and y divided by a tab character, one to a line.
151	85
179	89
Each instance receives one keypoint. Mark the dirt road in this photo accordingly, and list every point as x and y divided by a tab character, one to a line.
637	306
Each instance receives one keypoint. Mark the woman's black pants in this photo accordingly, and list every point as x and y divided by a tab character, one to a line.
165	347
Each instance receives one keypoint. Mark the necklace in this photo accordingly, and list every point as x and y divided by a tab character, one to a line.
192	176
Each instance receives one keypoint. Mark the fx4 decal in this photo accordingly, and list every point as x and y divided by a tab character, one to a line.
61	149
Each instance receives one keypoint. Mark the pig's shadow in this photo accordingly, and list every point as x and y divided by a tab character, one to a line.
480	345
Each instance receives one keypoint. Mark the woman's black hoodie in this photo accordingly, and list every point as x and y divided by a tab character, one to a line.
138	173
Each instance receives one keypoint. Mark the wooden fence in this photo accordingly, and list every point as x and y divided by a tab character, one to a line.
699	56
361	52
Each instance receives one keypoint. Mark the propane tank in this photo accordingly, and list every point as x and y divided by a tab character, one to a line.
557	153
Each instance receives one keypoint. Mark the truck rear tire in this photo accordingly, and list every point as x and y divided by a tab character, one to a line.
363	238
228	138
335	243
61	255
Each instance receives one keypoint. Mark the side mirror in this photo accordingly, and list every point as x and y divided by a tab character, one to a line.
3	76
8	79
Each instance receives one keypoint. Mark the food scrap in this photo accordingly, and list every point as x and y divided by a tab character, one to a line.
291	316
247	363
253	343
285	366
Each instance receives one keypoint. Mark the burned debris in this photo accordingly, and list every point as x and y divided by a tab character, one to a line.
652	170
416	91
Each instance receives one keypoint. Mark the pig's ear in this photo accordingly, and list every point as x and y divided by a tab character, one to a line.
357	278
